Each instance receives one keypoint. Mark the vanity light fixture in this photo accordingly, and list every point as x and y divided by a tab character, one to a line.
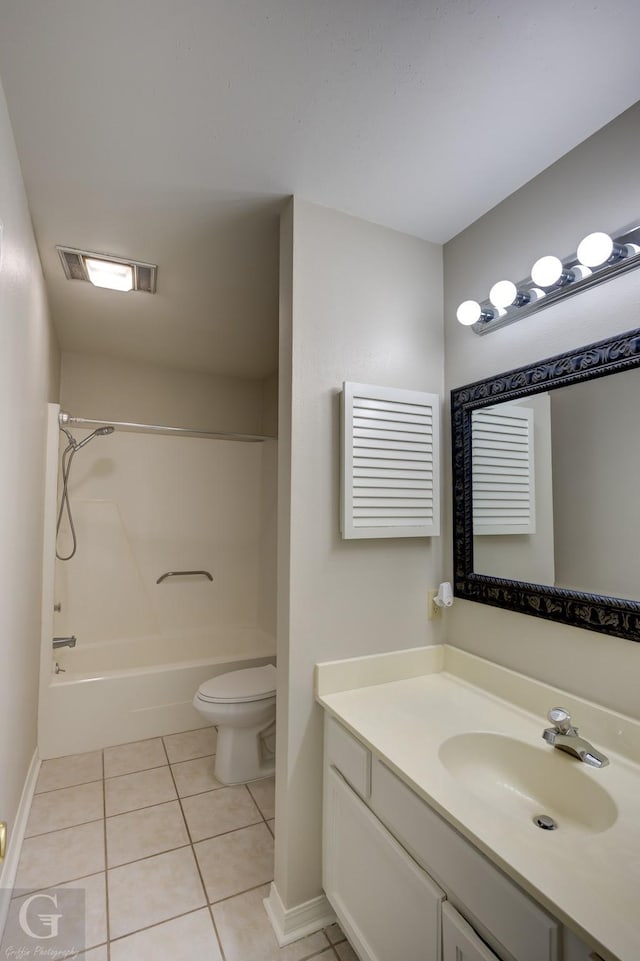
599	257
102	270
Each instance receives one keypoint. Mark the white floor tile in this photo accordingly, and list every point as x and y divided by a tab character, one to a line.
95	954
140	834
138	756
218	812
62	772
335	933
191	744
61	856
153	890
195	777
65	807
345	952
133	791
264	794
189	938
235	862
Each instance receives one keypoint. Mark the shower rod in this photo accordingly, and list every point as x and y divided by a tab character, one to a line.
159	429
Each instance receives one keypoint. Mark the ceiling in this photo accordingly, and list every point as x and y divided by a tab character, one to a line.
170	131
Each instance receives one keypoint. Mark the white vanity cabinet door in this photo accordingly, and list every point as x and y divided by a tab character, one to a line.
459	941
389	908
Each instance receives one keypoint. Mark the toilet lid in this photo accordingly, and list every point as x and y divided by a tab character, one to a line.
249	684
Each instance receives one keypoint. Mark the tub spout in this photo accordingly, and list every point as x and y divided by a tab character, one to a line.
64	642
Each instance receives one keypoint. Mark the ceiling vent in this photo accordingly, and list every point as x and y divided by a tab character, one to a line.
77	266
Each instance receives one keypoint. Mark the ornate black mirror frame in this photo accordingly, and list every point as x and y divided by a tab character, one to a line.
594	612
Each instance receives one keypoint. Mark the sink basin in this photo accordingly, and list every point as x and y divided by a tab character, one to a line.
524	780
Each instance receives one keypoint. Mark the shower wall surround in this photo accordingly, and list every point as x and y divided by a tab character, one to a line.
146	504
143	505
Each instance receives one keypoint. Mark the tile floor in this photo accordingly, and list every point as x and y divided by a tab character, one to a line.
174	865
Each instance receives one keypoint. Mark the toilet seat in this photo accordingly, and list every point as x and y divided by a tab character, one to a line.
249	684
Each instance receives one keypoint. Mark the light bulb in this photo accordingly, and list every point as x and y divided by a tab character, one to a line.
580	272
596	249
469	313
547	271
106	273
503	294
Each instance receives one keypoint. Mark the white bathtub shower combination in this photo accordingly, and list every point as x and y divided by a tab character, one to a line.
144	505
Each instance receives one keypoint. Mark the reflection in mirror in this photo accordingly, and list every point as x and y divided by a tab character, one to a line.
596	454
575	492
546	466
512	488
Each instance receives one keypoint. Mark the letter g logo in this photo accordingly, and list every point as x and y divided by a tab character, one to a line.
48	921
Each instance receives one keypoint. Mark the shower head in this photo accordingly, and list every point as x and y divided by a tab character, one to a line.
98	432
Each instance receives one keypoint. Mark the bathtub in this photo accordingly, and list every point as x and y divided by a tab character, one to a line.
126	690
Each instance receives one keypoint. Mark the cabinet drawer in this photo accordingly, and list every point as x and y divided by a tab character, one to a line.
349	756
506	917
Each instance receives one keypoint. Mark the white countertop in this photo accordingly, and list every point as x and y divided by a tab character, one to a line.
405	704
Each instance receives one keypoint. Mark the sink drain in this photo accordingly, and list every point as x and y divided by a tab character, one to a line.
545	822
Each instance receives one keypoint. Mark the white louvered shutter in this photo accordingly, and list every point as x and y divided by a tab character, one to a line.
503	470
390	462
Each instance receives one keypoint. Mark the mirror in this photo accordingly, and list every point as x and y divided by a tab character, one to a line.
546	460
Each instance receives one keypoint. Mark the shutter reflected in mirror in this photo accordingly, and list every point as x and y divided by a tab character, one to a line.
503	470
390	462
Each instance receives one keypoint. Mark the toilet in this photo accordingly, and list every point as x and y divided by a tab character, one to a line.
242	706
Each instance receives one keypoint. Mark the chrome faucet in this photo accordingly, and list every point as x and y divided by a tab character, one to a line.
565	737
64	642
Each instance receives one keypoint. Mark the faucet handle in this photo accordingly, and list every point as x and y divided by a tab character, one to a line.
562	720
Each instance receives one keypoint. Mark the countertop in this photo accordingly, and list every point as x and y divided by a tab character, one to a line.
404	705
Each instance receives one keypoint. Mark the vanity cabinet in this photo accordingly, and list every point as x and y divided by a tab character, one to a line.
404	883
389	905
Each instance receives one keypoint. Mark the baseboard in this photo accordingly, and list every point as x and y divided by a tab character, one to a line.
294	923
10	866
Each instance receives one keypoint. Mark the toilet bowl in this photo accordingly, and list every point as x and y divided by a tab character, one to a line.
242	706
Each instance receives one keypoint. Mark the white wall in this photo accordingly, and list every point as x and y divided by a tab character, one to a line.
29	364
361	303
100	387
269	512
594	187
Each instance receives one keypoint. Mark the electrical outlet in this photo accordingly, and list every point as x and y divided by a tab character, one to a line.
432	609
